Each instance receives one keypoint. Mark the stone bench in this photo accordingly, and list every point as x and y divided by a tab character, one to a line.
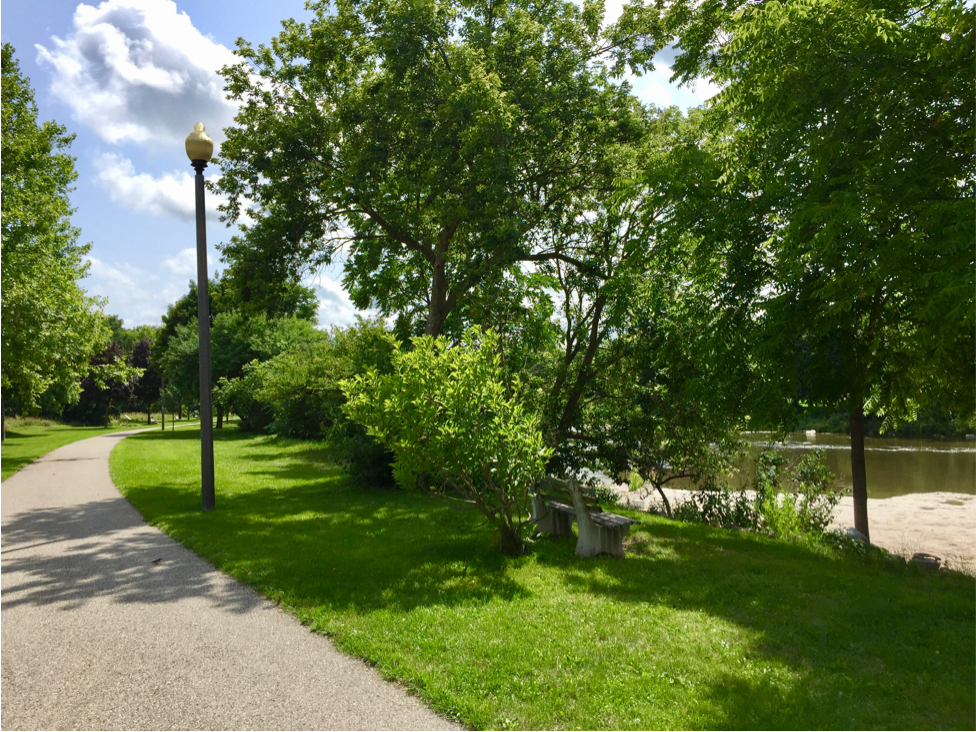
599	532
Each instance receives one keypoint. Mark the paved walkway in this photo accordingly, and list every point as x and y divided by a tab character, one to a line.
109	624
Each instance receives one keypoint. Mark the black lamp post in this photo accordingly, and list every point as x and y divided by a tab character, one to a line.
199	148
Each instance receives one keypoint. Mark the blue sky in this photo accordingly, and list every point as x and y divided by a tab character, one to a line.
130	78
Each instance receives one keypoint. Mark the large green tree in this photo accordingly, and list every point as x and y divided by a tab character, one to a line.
51	329
421	140
846	133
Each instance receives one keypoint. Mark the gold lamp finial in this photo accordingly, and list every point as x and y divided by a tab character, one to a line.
199	146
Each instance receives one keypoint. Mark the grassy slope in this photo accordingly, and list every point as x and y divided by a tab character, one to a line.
698	628
28	439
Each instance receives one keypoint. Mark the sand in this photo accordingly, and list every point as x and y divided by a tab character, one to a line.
943	524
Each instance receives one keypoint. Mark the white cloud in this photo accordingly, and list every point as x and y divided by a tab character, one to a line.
335	307
138	70
183	264
653	87
172	194
142	296
656	87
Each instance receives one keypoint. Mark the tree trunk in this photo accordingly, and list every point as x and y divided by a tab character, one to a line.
220	417
3	427
509	542
667	503
437	313
858	472
584	374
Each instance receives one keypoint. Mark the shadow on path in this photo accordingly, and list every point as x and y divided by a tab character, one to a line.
67	556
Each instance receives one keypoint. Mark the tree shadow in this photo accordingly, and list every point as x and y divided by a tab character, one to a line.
850	629
341	548
67	556
845	629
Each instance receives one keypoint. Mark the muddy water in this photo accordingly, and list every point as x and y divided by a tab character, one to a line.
894	467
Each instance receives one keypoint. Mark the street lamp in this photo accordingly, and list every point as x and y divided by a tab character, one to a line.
199	148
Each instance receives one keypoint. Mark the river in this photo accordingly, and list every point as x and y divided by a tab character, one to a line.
894	467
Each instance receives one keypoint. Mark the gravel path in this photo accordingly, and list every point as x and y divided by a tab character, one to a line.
109	624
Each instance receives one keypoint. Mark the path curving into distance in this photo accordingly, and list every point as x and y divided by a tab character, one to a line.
107	623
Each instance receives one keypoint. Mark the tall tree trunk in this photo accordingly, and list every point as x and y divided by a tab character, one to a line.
220	417
857	469
437	313
584	374
441	300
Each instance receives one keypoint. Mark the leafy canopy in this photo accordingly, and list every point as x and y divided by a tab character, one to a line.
424	139
50	327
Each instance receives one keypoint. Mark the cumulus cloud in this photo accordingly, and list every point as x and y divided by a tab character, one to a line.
653	87
138	70
335	307
142	296
183	264
172	194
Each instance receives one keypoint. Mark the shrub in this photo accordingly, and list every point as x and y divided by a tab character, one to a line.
449	418
606	496
718	505
300	390
240	396
802	504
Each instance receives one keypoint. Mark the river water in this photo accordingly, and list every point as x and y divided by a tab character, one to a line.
894	467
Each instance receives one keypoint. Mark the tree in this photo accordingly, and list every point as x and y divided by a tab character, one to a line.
236	339
147	389
846	129
107	388
453	423
673	400
51	329
424	140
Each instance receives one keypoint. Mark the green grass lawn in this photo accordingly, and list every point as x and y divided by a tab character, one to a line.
28	438
696	628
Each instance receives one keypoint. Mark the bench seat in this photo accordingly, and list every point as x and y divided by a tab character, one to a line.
599	532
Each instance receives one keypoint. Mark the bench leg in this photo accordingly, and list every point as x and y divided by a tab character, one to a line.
562	524
594	539
548	521
601	540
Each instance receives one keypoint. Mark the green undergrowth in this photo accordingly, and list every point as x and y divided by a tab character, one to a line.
696	628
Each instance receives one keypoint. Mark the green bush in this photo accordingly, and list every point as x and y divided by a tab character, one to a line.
718	505
240	396
451	421
301	390
802	504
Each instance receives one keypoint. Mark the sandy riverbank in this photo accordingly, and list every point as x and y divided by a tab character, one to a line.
943	524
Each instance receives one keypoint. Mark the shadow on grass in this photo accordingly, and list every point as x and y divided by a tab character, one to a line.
870	643
338	546
871	640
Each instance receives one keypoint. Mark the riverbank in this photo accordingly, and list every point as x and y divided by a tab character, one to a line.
943	524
